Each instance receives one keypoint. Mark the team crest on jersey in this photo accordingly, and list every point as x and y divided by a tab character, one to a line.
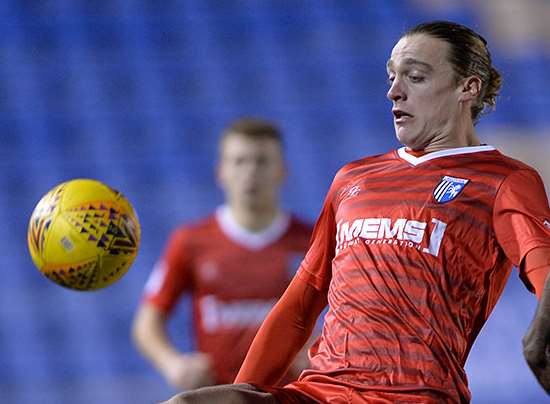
449	188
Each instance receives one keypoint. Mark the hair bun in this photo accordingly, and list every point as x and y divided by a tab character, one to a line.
493	87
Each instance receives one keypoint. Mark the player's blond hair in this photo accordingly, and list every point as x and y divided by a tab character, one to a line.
469	56
254	128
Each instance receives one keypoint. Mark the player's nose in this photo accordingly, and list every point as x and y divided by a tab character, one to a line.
396	91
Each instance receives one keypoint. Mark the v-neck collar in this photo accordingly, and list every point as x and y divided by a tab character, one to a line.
247	238
402	152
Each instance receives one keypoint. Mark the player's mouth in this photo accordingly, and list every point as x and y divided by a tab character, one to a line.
250	189
400	116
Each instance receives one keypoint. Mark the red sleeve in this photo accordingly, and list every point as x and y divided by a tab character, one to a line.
537	268
522	217
171	275
283	333
316	267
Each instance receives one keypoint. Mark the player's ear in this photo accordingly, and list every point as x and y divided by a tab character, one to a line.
470	88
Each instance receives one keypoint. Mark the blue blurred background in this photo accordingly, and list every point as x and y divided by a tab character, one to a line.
135	93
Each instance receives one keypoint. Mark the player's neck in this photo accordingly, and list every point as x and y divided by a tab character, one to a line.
254	219
464	136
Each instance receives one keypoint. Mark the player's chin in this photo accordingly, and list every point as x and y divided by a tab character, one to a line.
405	136
250	196
250	199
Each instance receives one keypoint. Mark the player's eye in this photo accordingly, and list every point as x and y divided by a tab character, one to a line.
391	79
416	79
239	161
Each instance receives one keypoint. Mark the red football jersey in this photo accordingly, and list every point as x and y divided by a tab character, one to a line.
235	277
413	253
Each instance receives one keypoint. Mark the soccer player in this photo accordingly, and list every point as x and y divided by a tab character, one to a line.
235	263
412	249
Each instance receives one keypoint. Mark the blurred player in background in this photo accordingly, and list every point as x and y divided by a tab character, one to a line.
412	249
235	263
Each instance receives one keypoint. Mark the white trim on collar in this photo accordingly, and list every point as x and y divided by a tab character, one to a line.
251	240
442	153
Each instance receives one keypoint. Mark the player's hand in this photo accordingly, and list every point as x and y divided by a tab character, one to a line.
189	371
536	350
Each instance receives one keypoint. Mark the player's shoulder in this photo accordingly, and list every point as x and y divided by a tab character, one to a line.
508	165
505	160
358	166
196	227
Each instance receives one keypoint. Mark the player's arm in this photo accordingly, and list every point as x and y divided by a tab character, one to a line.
536	342
292	320
166	284
185	371
284	332
520	218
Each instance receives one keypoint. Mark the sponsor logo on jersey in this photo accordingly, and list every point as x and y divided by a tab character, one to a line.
400	232
219	314
546	223
449	188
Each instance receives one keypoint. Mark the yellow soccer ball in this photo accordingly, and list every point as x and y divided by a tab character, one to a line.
83	235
